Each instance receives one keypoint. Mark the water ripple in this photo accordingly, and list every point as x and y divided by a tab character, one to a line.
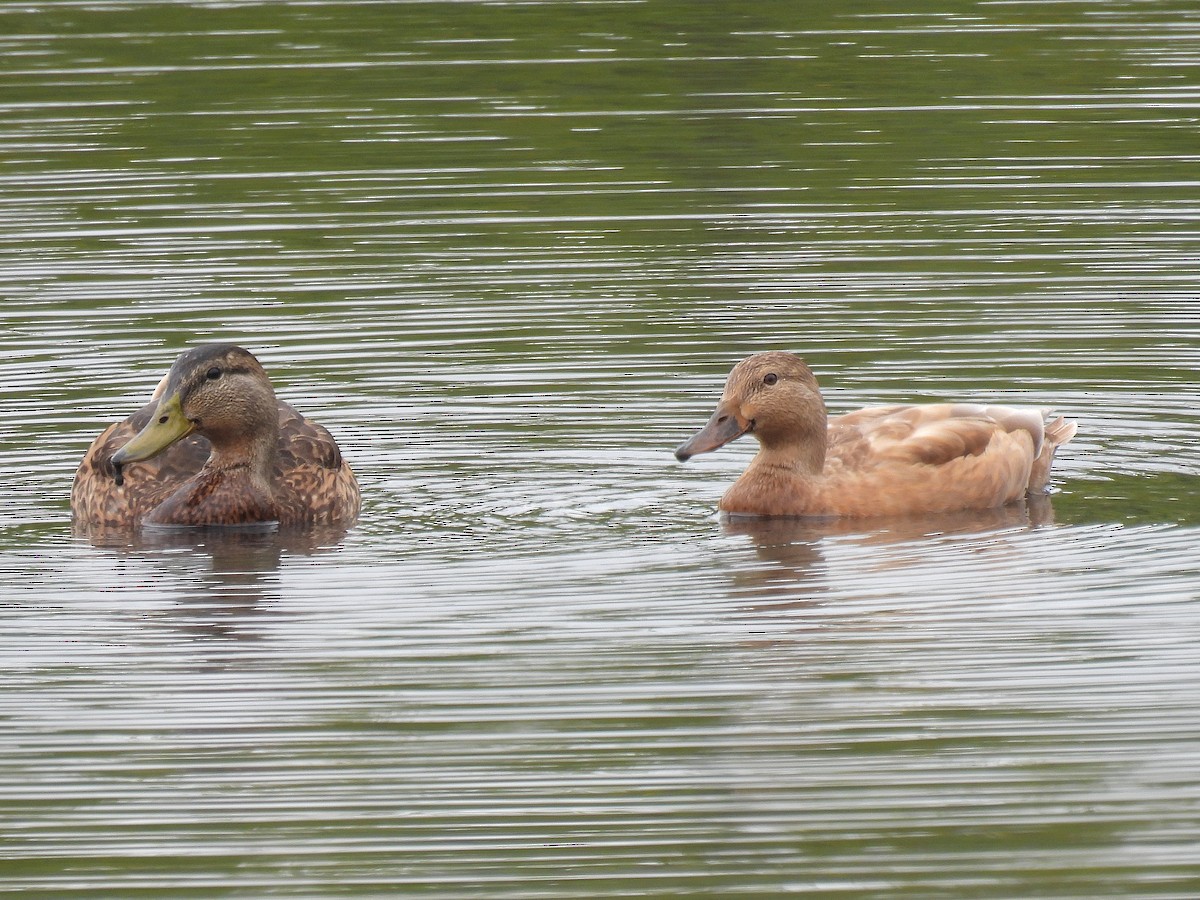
507	253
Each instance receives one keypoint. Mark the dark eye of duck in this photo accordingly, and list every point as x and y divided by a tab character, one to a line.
213	374
770	378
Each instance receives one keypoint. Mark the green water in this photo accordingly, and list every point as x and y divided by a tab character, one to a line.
507	253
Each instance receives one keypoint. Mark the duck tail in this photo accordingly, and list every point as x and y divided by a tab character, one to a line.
1060	431
1056	433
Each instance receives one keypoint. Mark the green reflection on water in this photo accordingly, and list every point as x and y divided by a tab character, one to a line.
536	234
1150	499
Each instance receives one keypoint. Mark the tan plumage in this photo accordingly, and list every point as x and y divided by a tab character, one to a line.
214	447
880	461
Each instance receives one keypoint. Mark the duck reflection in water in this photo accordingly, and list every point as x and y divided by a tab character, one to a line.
222	578
793	549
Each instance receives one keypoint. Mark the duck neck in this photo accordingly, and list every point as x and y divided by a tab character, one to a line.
796	442
800	457
252	452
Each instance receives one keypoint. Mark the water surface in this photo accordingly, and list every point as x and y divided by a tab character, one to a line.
507	253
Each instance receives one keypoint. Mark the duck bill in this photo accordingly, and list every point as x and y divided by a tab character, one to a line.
724	426
167	426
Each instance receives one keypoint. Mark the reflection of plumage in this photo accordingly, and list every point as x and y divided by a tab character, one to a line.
214	447
892	460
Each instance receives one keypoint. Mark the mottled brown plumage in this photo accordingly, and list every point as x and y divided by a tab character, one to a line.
880	461
214	447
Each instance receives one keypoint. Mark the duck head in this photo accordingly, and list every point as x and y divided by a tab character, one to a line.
217	390
773	396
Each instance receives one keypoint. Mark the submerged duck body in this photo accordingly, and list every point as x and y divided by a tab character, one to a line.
214	447
879	461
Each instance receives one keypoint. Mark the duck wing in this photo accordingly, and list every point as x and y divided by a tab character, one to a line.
934	458
931	434
314	483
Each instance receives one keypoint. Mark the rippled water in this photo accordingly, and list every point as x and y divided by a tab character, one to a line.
507	253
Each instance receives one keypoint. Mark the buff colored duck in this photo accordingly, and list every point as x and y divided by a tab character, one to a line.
879	461
214	447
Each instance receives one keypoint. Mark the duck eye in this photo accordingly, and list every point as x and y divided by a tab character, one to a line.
770	378
213	374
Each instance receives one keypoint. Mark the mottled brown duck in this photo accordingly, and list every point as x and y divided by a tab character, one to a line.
879	461
214	447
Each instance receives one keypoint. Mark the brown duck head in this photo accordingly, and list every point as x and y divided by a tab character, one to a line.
773	396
